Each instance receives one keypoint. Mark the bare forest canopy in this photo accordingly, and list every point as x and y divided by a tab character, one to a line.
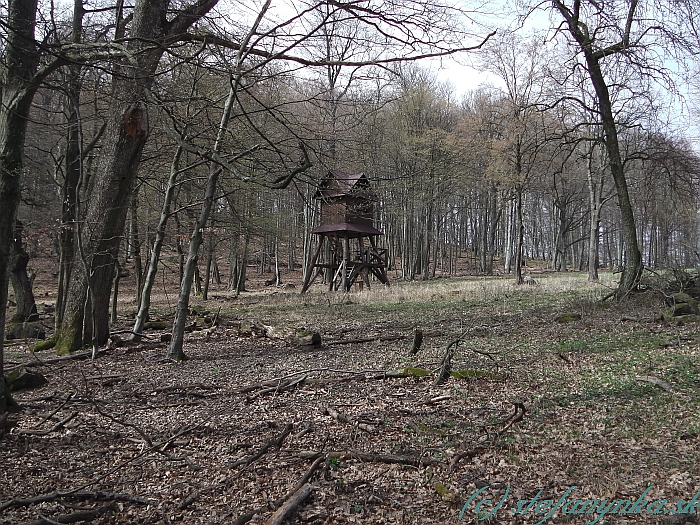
453	175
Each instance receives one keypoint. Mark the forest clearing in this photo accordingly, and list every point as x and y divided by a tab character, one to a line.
605	398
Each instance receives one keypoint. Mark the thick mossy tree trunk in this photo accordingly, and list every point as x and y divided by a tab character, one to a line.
17	78
104	221
22	285
110	189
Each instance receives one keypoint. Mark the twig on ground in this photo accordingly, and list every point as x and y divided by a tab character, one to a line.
372	458
288	385
54	428
517	416
345	419
67	400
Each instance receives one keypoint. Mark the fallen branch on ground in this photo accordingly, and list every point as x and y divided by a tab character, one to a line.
273	384
371	458
55	496
290	334
655	380
75	517
67	400
245	518
367	339
44	362
275	442
464	454
54	428
517	416
288	385
290	505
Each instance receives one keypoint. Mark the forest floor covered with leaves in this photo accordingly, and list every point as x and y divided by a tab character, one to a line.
608	403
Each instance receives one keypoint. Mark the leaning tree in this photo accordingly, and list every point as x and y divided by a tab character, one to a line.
635	36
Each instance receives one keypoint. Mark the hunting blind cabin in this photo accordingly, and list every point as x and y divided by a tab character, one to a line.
347	246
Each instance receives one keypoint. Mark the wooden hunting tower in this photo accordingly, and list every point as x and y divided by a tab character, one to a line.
347	213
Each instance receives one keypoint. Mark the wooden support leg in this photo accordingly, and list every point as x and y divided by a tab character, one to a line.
346	258
313	272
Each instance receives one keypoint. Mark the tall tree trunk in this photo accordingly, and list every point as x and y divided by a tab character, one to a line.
243	264
595	201
632	265
149	281
207	266
16	77
561	245
115	291
73	164
508	254
520	235
176	351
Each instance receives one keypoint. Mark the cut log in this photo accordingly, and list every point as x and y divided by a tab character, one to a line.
291	504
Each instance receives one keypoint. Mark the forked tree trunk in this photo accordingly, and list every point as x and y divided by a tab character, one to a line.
111	186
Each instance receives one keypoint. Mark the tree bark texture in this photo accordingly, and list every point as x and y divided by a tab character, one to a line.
18	87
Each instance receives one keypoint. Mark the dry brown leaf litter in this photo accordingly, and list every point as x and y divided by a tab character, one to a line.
175	436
